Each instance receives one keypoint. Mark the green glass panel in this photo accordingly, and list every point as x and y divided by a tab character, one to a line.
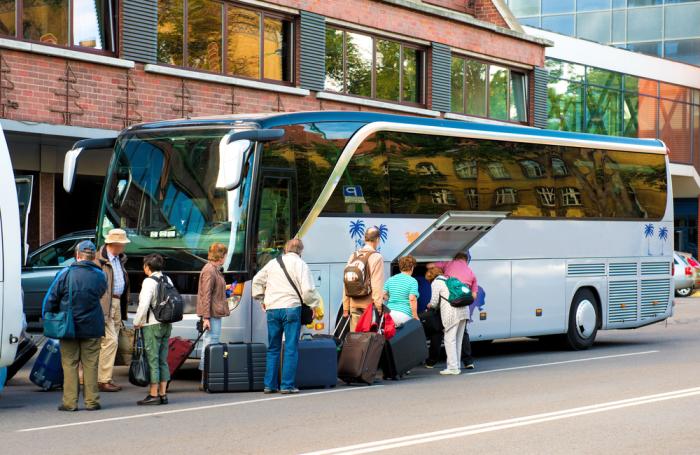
358	49
476	87
498	92
565	106
388	69
604	111
334	60
411	74
604	78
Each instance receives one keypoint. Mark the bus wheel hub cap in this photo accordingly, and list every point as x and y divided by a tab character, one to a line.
585	318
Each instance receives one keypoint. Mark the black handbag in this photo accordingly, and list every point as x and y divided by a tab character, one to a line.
431	320
307	314
139	372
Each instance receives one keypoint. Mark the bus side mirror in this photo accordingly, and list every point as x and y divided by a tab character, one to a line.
235	149
70	163
231	158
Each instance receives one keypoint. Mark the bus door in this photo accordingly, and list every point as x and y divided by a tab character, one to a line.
459	231
276	206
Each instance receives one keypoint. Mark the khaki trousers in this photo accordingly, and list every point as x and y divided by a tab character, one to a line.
108	353
73	353
355	314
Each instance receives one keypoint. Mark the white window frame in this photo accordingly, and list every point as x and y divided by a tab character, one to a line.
443	197
559	169
570	196
506	196
470	166
498	171
425	168
532	169
547	195
472	195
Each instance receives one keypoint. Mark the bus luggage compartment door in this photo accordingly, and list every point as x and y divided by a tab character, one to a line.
451	233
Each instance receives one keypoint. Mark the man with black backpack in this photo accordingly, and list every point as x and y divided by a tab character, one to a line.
159	306
363	279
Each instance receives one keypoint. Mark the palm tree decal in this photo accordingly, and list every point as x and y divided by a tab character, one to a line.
648	233
663	235
383	232
357	232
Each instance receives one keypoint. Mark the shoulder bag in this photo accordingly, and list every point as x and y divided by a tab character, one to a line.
60	325
307	314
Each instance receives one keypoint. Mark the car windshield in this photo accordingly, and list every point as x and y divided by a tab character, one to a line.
162	189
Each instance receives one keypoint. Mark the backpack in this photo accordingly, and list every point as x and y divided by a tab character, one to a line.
169	304
356	275
460	294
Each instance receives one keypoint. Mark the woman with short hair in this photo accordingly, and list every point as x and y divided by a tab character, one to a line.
401	292
211	298
155	334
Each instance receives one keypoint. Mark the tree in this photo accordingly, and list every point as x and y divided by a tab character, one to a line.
663	235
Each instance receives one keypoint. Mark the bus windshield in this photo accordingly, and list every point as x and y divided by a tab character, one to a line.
162	189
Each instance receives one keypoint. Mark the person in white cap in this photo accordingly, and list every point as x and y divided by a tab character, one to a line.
115	301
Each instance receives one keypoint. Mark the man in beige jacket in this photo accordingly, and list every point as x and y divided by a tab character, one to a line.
355	306
112	261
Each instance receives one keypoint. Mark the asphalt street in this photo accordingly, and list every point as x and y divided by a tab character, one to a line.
636	392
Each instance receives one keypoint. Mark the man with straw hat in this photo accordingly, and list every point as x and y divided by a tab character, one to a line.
115	301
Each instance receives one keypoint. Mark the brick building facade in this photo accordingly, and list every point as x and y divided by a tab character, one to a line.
53	94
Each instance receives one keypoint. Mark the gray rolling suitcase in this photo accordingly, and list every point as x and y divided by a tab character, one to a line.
234	367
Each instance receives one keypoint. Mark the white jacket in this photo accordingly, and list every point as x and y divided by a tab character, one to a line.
272	287
147	299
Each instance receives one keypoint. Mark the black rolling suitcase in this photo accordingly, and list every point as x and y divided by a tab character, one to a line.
406	350
234	367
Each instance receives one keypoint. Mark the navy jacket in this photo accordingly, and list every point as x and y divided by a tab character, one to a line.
88	284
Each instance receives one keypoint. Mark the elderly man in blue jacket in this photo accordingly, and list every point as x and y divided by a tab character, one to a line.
80	286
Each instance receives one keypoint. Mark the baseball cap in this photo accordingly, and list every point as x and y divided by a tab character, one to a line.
86	246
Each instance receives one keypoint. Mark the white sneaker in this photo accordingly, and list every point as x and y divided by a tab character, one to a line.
447	372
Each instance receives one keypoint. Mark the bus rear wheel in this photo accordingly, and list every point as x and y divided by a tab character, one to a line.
583	320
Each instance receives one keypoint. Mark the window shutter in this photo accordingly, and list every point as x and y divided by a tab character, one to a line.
313	51
540	118
140	30
442	85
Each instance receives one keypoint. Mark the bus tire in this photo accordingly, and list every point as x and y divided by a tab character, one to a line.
584	320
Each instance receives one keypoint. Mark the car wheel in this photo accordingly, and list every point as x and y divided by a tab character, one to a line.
583	320
685	292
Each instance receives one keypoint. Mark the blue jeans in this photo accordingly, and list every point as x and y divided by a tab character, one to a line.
288	322
211	336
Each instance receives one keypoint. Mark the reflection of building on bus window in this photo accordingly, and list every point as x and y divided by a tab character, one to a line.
274	228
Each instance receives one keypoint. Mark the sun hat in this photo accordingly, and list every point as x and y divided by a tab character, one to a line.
117	236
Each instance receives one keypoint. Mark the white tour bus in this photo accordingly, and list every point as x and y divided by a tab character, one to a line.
568	233
10	260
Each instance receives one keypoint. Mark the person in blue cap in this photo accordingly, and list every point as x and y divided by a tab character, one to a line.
81	286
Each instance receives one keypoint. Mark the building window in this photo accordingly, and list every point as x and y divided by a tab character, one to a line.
427	169
570	197
498	171
506	196
547	196
532	169
443	197
225	38
472	195
488	90
373	67
559	167
466	169
84	24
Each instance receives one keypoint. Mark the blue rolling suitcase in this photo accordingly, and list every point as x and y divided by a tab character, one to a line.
47	371
318	362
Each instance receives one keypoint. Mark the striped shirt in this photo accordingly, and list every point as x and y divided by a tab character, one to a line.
400	287
118	273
